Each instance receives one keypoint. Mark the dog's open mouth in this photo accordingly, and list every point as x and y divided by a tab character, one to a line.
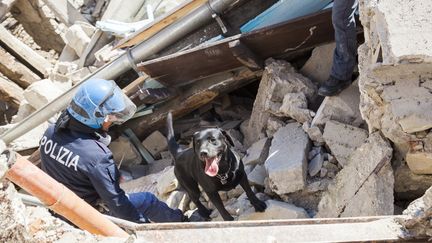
212	165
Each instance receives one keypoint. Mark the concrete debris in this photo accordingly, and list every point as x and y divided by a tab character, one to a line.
419	212
155	143
279	79
286	164
315	164
318	66
275	210
24	110
15	70
124	152
295	105
257	175
257	153
273	124
343	140
342	108
27	141
419	162
167	181
77	38
41	92
364	186
314	133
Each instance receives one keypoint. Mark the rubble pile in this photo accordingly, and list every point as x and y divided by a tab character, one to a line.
364	152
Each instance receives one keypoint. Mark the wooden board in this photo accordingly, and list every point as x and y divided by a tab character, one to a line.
24	53
278	40
160	23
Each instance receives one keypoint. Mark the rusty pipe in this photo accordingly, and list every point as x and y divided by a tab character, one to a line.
58	198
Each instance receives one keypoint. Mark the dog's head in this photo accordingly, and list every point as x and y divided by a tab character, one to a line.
210	146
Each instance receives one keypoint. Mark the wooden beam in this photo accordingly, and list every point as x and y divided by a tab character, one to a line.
24	53
191	98
160	23
246	56
362	229
65	11
15	70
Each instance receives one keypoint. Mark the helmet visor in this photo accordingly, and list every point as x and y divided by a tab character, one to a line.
117	107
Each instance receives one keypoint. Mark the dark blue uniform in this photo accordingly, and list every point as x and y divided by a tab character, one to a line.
85	166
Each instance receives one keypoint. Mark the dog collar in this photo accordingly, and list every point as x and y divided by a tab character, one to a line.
224	178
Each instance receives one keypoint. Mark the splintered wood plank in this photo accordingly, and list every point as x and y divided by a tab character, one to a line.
160	23
289	37
23	52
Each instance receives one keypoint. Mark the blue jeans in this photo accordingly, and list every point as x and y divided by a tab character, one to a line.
153	209
344	58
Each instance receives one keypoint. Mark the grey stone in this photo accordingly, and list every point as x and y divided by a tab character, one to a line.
315	164
275	210
314	133
343	139
295	105
155	143
124	152
363	187
257	153
286	164
319	65
167	182
257	176
419	213
342	108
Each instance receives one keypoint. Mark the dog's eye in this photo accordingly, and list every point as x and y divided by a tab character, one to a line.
212	140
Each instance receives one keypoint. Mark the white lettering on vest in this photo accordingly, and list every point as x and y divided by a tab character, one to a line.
49	148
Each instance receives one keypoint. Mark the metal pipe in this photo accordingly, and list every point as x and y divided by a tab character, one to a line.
111	70
58	198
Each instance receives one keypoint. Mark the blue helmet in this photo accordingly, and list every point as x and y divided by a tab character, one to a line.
100	100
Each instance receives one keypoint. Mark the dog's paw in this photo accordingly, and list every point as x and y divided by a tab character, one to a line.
259	206
228	218
204	212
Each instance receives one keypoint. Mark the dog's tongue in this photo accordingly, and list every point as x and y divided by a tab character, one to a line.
212	167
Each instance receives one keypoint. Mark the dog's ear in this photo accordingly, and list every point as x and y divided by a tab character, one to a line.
228	138
194	142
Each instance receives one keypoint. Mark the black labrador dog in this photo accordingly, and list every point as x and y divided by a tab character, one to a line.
212	164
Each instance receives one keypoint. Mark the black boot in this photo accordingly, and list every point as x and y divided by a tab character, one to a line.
333	86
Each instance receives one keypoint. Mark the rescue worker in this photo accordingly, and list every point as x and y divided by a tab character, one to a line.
344	58
74	151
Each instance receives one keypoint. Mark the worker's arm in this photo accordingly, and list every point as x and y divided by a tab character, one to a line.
104	176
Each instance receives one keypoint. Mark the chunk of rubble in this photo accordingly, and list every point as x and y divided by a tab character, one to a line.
314	133
29	140
419	162
124	152
295	105
316	164
273	124
279	79
275	210
343	140
319	65
419	213
257	175
13	221
363	187
342	108
286	164
155	143
39	93
175	198
257	153
77	38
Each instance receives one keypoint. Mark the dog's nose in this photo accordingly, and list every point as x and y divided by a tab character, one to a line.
203	154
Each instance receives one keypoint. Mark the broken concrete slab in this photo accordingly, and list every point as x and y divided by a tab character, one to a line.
295	105
319	65
155	143
257	175
124	152
419	162
278	79
399	31
286	163
419	213
343	140
77	38
367	171
41	92
257	153
342	108
275	210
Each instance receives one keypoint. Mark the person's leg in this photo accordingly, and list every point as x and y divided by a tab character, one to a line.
344	58
154	209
